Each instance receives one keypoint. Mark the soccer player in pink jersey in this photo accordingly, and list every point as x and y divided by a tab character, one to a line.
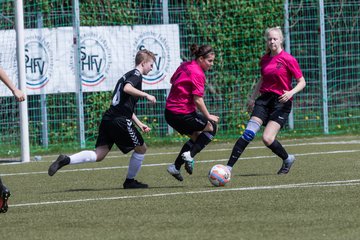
273	106
186	111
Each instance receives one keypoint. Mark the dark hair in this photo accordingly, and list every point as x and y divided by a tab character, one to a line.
202	51
143	55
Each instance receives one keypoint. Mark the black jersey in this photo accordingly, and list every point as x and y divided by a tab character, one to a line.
123	104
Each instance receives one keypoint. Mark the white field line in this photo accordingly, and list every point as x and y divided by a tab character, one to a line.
287	186
258	147
117	154
165	164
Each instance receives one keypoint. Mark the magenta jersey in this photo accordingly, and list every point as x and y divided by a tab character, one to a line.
187	81
277	72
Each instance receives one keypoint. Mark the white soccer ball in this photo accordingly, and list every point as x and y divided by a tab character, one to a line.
219	175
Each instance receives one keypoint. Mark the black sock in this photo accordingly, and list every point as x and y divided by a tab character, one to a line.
278	149
238	149
200	143
179	161
1	184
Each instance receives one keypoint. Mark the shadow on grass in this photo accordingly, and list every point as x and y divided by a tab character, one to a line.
91	189
9	161
254	174
112	189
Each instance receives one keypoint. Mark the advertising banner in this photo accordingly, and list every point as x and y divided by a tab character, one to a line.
106	54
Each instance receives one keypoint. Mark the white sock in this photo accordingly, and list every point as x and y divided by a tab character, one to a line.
134	165
83	157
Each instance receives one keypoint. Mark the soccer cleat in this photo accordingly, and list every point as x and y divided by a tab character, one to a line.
189	162
4	196
285	168
174	172
132	183
61	161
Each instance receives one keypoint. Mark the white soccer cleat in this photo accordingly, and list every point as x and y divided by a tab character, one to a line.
287	163
174	172
189	162
186	156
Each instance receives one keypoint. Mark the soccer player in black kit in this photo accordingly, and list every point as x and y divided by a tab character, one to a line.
117	124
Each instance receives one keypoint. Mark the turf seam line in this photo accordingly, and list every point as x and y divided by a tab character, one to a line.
62	171
352	182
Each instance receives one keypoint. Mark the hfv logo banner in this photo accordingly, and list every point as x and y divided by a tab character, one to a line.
106	53
166	48
95	58
38	62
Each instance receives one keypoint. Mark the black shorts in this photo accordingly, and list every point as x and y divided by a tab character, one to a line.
120	131
186	123
268	108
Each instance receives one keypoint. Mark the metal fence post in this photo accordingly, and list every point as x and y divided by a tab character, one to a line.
43	105
20	52
77	67
165	13
287	49
323	67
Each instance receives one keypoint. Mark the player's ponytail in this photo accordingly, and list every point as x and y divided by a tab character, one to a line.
202	51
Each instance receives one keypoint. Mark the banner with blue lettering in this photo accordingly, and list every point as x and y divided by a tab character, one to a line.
106	54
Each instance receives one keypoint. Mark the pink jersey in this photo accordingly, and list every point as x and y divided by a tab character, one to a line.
277	72
187	81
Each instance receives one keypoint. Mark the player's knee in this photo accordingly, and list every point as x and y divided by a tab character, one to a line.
251	129
141	149
214	128
268	139
99	154
210	129
248	135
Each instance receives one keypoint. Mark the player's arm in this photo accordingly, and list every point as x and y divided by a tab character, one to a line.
129	89
19	95
255	93
141	125
301	83
200	104
289	94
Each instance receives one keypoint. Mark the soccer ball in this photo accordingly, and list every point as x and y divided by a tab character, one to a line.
219	175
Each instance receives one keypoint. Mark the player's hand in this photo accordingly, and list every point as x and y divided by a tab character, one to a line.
145	128
19	95
250	105
151	98
285	97
214	118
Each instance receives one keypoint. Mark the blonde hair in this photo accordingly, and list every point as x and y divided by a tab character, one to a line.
144	55
266	36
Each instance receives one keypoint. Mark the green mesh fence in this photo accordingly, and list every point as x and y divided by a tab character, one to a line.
235	30
343	60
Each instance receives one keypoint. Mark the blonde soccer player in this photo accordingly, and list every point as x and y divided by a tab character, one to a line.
117	124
